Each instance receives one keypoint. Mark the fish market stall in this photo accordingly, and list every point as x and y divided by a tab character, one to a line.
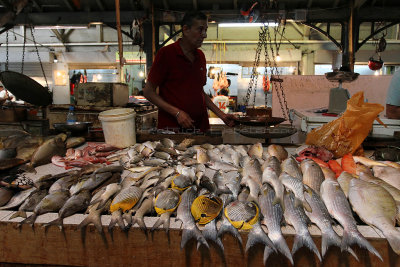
150	203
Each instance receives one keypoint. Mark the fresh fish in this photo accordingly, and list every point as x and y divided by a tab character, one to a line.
9	163
162	186
242	214
320	217
256	151
206	208
126	198
328	173
145	208
223	166
115	178
379	211
74	204
44	182
50	148
273	215
312	174
252	169
5	195
162	155
296	217
165	204
187	142
241	149
110	191
232	182
116	219
51	203
184	214
257	235
202	156
362	168
375	180
388	174
274	163
210	232
244	194
26	151
18	198
74	141
207	146
165	172
30	203
154	162
181	182
297	187
168	143
63	183
368	162
271	177
339	208
255	187
109	168
344	181
278	151
94	181
291	167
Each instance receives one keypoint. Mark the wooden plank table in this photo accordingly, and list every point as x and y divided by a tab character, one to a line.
28	246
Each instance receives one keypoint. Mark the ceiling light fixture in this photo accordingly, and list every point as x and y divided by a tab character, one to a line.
60	27
241	25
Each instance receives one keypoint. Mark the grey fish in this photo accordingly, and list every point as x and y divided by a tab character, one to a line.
271	177
257	235
273	215
344	182
223	166
296	217
378	211
181	182
168	143
109	168
339	208
244	194
291	167
154	162
162	155
388	174
312	174
241	211
184	214
18	198
274	163
74	141
44	181
232	182
74	204
94	181
252	169
145	208
30	203
63	183
116	219
165	172
320	217
50	203
110	190
167	201
52	147
297	187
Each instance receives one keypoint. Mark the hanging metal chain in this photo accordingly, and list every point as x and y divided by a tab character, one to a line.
40	61
6	67
254	73
23	51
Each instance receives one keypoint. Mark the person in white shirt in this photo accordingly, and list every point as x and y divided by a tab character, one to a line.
5	95
222	100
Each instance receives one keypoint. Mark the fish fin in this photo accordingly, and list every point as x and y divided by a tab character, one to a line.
227	227
58	222
267	252
210	233
140	222
194	232
96	220
257	235
19	213
282	247
30	220
305	240
306	206
355	237
128	218
163	220
393	237
329	238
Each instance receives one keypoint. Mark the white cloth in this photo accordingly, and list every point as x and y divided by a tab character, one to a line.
222	103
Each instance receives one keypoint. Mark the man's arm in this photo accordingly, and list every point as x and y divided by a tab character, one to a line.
149	91
393	112
229	119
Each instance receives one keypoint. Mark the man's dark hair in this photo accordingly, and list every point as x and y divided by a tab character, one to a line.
229	82
223	92
192	15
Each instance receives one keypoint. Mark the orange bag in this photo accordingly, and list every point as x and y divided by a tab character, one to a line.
346	133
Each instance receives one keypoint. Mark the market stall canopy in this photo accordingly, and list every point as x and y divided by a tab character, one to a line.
25	88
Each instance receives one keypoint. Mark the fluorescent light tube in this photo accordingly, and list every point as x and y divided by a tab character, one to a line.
59	27
238	25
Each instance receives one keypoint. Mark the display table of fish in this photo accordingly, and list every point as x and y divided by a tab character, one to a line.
243	205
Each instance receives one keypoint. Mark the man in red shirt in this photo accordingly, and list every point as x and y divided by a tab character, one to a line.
179	70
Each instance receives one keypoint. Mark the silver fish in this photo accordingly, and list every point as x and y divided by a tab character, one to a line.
256	151
312	174
223	166
296	217
93	182
271	177
344	181
388	174
252	169
18	198
63	183
297	187
210	232
162	155
274	163
378	211
291	167
339	208
30	203
273	215
320	217
184	214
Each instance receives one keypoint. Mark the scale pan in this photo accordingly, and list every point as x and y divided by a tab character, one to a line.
260	120
267	132
341	76
25	88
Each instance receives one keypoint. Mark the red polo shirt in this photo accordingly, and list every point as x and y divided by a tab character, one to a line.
180	84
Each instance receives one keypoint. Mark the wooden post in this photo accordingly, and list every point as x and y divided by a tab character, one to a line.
120	47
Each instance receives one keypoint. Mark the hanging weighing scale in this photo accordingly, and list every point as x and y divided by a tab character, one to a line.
258	122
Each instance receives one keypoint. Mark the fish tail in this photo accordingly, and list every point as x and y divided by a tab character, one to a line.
282	247
117	220
140	222
19	213
193	232
163	220
393	237
95	219
354	237
329	238
128	218
210	233
257	235
227	227
58	222
305	240
30	220
267	251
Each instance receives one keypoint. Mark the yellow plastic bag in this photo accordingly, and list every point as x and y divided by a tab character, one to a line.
346	133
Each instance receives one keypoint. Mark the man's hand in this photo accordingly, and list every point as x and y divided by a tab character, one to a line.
184	119
230	119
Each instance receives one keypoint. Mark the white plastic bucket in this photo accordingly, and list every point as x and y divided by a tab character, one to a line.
119	127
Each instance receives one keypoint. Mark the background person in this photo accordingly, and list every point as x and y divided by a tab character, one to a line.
179	70
393	98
